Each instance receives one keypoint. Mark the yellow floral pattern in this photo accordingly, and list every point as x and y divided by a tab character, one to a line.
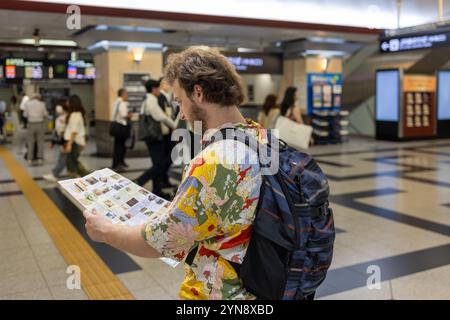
213	209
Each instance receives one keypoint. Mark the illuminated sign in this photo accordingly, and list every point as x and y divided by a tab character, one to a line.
10	72
19	62
242	63
80	69
248	62
415	42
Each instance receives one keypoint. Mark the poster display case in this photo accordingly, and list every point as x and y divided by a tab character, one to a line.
329	121
405	105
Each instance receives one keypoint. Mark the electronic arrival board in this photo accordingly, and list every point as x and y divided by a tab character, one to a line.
18	69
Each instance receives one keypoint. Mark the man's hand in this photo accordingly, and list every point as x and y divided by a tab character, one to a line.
129	239
98	227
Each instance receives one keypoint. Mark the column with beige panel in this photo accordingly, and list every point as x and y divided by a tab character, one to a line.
295	73
111	66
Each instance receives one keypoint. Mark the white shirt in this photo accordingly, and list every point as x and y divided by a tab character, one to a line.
2	106
151	107
76	124
25	99
168	110
60	124
120	111
35	111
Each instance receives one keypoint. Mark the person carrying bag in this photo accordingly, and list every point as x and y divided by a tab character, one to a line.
152	116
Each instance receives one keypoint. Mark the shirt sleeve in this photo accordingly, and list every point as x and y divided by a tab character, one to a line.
155	111
123	110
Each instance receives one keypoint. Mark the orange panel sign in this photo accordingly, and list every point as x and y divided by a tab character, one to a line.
419	83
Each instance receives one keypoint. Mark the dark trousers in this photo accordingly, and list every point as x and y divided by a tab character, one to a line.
168	146
74	167
157	151
2	123
119	151
23	119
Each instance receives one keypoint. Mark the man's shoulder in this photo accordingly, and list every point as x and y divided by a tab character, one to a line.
227	153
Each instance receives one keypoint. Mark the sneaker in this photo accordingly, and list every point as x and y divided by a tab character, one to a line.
167	185
165	196
118	168
50	177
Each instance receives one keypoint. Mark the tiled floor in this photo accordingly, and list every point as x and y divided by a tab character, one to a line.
391	201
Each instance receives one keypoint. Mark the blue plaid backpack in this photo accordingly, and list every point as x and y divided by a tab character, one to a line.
291	245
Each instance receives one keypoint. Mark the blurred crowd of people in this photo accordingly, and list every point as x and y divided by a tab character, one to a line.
159	116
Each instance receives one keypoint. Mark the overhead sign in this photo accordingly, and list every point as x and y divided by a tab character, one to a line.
255	63
243	63
415	42
248	62
19	62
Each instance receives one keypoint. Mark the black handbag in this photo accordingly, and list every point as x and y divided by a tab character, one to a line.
118	130
149	128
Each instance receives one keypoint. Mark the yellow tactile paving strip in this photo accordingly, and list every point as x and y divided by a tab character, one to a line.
97	280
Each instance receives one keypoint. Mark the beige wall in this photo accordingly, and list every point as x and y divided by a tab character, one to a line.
110	67
296	70
263	85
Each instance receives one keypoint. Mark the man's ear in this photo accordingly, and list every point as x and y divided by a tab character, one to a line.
198	93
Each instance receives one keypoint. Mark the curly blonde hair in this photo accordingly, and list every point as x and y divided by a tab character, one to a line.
209	69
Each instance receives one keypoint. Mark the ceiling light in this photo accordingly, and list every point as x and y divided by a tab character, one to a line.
247	50
138	53
42	42
324	53
106	44
326	40
103	27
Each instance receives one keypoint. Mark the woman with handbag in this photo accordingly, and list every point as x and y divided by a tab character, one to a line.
289	109
120	129
269	112
289	123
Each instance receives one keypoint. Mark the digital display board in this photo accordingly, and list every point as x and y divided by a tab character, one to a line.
443	100
80	69
387	95
10	72
255	63
18	68
56	69
248	62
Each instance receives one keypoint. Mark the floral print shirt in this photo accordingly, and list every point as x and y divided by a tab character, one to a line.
214	208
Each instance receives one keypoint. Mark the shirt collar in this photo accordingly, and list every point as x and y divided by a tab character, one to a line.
249	126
